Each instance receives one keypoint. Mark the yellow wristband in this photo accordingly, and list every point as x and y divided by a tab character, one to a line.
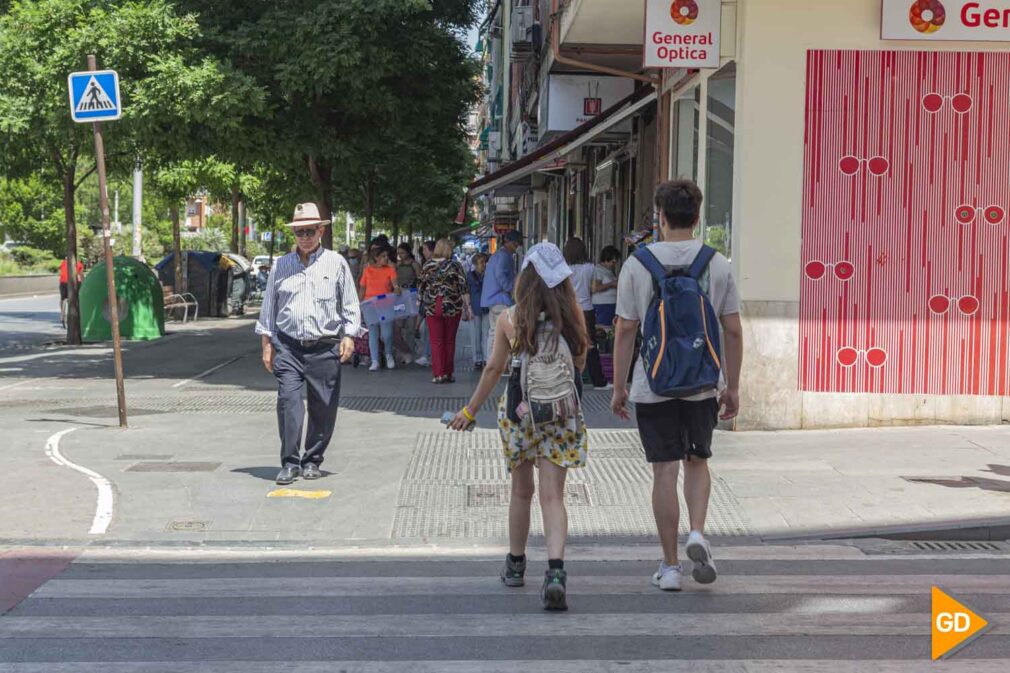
468	415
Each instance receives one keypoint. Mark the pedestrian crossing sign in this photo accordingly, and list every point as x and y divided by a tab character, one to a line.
94	96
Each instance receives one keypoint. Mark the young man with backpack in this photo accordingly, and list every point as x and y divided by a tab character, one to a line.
677	291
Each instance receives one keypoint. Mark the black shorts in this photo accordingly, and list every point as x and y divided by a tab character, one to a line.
63	291
677	429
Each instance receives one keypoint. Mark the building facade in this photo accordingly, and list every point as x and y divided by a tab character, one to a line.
856	168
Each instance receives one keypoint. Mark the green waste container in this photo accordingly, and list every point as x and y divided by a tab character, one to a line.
141	302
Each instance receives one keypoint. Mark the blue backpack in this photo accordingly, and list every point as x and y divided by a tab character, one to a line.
680	345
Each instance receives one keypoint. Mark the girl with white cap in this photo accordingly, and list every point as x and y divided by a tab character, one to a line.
543	335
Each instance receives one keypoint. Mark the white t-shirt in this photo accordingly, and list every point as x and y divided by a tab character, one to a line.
582	279
602	274
635	293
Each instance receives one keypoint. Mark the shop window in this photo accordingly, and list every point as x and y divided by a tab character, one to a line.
686	118
720	131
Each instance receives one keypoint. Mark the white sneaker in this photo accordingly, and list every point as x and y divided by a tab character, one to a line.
668	578
423	361
374	367
700	553
390	362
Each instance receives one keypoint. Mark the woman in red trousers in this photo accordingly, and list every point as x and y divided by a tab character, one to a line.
445	300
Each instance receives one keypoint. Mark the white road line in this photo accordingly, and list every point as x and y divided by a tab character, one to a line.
15	385
106	501
210	371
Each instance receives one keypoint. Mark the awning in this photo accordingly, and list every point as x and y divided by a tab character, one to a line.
563	145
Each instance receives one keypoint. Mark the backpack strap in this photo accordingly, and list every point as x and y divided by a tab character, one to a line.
701	262
651	264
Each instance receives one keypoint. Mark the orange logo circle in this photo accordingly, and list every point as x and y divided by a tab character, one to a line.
927	16
684	12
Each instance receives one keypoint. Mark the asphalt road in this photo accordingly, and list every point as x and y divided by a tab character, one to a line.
788	609
26	321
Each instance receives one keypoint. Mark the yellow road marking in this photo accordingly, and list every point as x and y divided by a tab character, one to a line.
295	493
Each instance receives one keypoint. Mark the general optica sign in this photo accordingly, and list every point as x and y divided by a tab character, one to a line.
682	33
959	20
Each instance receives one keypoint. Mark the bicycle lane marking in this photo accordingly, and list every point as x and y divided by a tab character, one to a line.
106	501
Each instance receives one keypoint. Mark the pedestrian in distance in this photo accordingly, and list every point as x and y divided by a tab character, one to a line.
541	342
445	300
426	252
307	322
499	281
408	274
677	292
583	271
64	287
479	324
379	278
605	286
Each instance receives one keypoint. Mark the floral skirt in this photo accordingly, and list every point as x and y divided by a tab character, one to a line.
564	444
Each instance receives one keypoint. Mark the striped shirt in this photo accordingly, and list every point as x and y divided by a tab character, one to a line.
313	301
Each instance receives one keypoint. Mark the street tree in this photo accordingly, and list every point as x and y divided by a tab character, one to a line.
346	79
171	92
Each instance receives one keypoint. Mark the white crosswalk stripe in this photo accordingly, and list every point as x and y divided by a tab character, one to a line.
452	615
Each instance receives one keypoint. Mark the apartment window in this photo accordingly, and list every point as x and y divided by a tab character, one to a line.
719	141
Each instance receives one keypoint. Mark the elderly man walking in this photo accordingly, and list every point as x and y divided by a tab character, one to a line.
309	317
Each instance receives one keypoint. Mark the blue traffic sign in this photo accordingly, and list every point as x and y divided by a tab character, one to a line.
94	96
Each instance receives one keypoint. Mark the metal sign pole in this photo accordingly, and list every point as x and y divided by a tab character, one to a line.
110	272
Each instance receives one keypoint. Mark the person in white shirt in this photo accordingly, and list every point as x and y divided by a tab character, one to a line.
678	430
605	286
577	258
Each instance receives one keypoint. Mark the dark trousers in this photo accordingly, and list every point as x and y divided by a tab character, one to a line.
593	363
315	370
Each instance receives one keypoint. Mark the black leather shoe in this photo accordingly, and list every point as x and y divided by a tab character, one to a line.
311	471
288	475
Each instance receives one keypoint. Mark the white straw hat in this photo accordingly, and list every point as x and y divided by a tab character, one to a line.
307	214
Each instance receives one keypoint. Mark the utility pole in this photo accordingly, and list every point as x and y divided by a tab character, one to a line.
110	272
138	208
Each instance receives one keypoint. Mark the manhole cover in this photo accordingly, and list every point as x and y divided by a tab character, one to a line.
188	525
167	466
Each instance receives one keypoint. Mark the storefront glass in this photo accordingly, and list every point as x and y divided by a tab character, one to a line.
720	131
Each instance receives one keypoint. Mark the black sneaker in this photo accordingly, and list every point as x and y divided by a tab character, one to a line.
512	573
553	591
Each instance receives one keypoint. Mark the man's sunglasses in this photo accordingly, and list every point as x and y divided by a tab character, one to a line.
305	233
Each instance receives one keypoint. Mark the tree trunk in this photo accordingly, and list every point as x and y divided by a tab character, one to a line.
178	283
410	234
73	297
369	206
273	236
242	227
321	176
396	229
235	196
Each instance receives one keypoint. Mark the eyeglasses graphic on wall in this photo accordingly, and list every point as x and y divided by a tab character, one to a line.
990	214
851	164
941	303
960	102
849	357
816	269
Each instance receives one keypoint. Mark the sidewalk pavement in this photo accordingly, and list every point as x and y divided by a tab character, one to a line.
197	462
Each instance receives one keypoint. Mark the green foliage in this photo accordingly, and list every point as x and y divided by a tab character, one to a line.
210	239
33	258
31	211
